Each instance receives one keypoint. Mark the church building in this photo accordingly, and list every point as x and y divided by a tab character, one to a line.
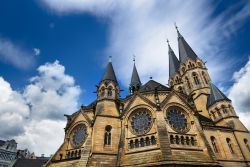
190	122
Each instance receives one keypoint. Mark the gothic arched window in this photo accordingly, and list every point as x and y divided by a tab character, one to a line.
230	146
196	79
102	93
204	77
188	83
192	141
171	139
153	140
180	89
131	144
142	142
213	141
246	144
107	136
109	91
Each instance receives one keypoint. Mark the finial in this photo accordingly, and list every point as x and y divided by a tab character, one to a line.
176	26
150	77
110	58
133	58
168	41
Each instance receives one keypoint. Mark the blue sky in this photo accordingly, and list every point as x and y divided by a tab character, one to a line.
81	35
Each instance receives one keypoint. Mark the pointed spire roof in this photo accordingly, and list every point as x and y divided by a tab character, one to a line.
215	96
185	51
135	79
173	61
109	74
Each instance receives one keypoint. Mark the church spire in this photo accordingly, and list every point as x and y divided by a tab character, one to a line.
215	96
173	61
135	82
109	74
185	51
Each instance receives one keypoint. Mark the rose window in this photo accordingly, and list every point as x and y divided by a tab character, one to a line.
177	119
79	135
141	121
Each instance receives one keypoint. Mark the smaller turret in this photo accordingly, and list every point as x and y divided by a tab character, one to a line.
108	87
135	83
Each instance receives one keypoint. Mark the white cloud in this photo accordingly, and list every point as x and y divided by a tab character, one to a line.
35	114
15	55
239	93
141	27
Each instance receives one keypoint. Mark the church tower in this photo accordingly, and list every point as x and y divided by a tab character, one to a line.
189	74
106	128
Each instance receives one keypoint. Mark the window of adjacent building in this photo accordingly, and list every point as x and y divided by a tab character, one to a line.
230	146
196	79
214	144
107	136
246	144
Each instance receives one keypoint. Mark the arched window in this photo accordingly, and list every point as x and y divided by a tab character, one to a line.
213	141
177	139
102	93
142	142
192	141
204	77
136	143
219	113
147	141
230	146
183	69
182	140
68	155
188	83
79	153
199	64
224	110
107	136
246	144
72	154
131	144
196	79
180	89
171	139
109	91
153	141
187	140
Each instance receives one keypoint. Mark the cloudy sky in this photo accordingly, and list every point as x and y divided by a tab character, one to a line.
53	53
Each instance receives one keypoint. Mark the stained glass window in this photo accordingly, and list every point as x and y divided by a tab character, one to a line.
79	135
177	119
141	121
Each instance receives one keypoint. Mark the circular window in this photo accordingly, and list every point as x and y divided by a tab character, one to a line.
177	119
79	135
141	121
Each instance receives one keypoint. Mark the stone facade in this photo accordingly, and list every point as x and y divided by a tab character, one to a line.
189	123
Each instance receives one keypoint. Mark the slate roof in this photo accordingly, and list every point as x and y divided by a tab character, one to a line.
215	96
151	85
109	74
135	79
29	162
174	63
185	51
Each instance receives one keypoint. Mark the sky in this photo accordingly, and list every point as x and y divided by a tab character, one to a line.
54	52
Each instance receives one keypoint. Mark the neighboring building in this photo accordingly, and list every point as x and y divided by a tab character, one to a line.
25	159
8	150
189	123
